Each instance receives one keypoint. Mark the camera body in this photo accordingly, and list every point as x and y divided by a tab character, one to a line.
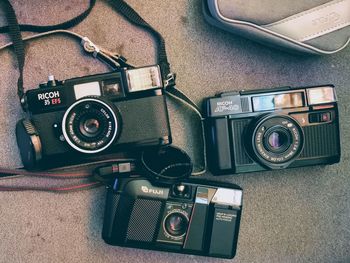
193	217
268	129
81	118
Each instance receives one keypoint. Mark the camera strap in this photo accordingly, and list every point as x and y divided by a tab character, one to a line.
14	29
65	25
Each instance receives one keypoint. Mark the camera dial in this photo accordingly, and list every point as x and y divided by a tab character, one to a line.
275	141
90	125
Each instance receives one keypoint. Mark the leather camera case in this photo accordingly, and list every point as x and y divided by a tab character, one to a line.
312	26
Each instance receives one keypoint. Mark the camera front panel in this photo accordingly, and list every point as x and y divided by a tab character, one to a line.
185	218
144	121
322	137
240	140
321	143
93	115
140	122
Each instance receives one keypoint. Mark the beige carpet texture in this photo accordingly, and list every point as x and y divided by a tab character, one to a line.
292	215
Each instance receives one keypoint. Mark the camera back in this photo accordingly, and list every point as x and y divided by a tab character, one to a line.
193	217
269	129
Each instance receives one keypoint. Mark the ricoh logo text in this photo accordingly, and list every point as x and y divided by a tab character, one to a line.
50	98
226	105
147	190
49	95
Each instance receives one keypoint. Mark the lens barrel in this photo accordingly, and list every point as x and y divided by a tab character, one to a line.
274	141
175	224
90	125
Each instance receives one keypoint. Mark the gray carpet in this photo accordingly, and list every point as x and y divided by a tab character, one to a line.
297	215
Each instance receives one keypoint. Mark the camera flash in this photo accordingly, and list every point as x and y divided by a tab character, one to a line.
321	95
144	78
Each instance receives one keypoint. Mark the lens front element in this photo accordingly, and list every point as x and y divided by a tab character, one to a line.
278	139
175	224
90	125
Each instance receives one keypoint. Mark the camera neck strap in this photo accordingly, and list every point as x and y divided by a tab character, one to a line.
65	25
14	30
18	44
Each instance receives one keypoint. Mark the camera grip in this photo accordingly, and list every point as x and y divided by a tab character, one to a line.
112	201
196	232
220	151
224	234
29	143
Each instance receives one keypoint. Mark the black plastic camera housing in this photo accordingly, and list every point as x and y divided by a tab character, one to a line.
269	129
192	217
73	120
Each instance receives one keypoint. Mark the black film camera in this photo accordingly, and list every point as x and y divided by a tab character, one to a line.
81	117
193	217
272	129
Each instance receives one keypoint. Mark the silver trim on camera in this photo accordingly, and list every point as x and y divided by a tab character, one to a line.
204	195
224	196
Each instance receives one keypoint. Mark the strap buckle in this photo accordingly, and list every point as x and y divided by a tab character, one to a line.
114	60
90	47
170	81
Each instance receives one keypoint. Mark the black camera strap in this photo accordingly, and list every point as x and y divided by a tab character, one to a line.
65	25
129	13
18	44
14	29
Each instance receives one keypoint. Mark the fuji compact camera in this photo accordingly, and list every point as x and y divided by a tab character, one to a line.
82	117
193	217
272	129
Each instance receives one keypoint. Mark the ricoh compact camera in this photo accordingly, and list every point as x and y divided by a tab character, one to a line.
277	128
82	117
193	217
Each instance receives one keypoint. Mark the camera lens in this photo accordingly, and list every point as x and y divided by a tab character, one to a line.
90	125
275	140
278	140
176	224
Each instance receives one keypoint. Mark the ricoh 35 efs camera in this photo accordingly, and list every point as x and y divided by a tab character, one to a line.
272	129
194	217
78	118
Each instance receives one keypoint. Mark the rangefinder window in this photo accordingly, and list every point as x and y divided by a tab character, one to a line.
279	101
321	95
112	87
